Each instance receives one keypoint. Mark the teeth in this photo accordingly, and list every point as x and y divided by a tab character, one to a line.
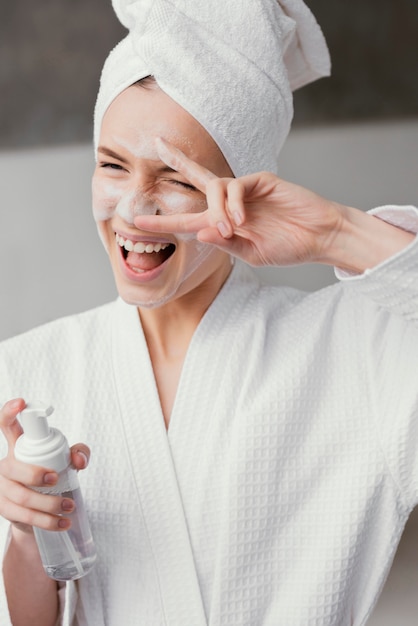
139	246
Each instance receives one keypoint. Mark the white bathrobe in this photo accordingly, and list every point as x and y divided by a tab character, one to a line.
280	491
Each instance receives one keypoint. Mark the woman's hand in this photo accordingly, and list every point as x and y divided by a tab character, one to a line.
20	504
265	220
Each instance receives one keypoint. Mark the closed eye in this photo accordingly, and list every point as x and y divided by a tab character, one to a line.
183	184
113	166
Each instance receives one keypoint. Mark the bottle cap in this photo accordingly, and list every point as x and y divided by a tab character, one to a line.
34	420
41	444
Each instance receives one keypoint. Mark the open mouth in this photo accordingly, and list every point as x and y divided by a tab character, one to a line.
144	256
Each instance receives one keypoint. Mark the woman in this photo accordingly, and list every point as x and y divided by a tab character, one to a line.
254	460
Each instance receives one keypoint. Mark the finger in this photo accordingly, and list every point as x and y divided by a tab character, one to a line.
26	474
248	189
28	498
9	424
196	174
22	516
216	195
236	246
258	182
236	193
80	456
181	223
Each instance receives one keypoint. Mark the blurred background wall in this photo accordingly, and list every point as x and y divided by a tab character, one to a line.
51	53
355	139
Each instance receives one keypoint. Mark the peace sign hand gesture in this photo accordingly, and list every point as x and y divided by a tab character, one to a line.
265	220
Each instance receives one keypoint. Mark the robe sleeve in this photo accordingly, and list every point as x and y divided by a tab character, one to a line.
393	352
393	284
393	363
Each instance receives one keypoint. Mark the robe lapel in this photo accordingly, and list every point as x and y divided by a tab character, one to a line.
158	494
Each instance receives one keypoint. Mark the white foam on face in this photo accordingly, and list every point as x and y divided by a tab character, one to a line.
105	197
197	254
133	204
140	185
110	199
123	197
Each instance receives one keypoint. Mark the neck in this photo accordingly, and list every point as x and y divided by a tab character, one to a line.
169	328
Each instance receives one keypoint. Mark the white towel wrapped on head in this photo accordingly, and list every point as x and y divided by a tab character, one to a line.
231	64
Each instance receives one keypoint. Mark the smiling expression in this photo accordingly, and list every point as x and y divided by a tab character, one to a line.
130	180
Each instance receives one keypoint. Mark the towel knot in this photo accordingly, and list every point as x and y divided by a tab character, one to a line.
133	14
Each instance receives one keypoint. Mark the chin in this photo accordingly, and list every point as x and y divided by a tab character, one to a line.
144	298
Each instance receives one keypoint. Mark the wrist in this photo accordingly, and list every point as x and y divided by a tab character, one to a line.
363	241
23	538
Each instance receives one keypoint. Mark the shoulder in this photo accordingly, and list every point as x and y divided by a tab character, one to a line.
333	314
50	360
276	303
61	334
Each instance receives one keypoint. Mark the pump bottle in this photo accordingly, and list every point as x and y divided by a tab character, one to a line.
69	554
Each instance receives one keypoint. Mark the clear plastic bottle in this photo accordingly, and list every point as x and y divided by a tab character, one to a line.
69	554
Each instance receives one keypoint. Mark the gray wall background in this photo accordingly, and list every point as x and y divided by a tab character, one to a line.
52	51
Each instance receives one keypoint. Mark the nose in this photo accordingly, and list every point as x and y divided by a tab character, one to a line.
135	203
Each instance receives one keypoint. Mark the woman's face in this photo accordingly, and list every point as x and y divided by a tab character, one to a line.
130	180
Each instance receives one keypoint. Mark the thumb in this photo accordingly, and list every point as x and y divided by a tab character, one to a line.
80	456
9	424
235	246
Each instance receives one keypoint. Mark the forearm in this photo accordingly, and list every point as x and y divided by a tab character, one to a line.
32	596
364	241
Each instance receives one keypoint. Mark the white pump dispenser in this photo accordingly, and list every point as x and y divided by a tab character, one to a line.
70	554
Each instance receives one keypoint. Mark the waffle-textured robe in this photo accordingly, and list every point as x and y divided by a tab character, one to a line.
280	491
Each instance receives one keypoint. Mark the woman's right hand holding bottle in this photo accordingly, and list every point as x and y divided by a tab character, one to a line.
19	502
32	596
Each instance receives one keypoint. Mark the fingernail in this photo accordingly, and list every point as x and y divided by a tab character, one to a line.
64	523
68	505
50	478
237	218
84	455
223	229
15	404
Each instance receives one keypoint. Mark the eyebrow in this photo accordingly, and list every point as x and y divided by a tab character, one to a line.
107	151
111	153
